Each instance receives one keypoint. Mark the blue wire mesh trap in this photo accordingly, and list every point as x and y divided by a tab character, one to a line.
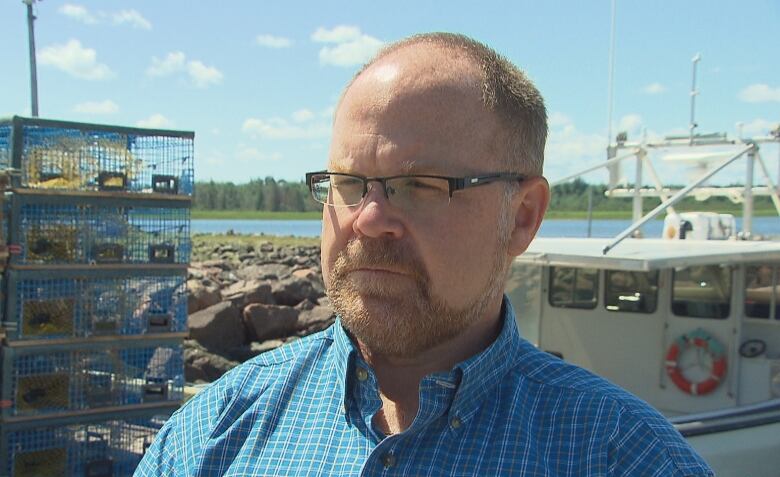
65	304
66	155
98	447
57	380
76	230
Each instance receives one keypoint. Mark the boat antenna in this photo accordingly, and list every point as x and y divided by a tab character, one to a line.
694	92
33	67
611	74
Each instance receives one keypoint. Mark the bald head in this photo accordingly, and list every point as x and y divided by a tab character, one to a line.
440	64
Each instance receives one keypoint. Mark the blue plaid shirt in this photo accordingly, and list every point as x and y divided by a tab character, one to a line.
307	408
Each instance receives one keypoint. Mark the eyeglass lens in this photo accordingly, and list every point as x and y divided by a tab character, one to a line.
406	193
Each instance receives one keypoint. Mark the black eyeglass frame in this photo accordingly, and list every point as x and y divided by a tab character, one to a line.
455	183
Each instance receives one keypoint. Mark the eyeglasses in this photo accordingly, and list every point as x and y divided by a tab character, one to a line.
404	192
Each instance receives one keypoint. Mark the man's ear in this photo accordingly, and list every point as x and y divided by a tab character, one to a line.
528	204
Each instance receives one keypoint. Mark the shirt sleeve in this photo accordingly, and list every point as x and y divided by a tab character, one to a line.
179	447
645	443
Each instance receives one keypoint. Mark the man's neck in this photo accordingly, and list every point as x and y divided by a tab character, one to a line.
399	378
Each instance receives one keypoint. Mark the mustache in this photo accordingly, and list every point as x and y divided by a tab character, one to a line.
386	253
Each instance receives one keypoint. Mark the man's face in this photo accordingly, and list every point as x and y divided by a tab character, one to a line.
404	281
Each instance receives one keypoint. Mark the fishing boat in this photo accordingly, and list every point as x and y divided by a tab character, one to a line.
689	321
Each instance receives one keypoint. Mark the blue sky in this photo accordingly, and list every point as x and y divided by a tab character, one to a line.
258	81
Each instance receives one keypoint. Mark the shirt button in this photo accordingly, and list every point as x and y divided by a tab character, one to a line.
455	422
388	460
362	374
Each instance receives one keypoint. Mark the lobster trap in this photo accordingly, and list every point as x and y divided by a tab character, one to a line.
98	446
90	376
54	229
48	304
64	155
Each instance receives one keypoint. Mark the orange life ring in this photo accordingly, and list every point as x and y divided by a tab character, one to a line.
699	339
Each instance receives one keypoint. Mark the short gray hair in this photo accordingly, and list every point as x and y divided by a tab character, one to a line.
506	91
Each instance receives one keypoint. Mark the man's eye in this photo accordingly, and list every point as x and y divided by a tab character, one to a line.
421	185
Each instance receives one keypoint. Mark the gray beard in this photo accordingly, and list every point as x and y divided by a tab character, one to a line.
402	325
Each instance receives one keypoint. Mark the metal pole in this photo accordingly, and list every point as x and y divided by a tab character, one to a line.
747	204
33	67
692	125
590	209
674	199
637	202
611	75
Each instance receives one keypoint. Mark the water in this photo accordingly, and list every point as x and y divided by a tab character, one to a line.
550	228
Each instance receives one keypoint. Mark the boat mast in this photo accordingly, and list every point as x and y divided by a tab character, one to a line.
694	92
33	68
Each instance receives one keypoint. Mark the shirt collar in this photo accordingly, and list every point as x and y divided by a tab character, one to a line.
474	378
480	374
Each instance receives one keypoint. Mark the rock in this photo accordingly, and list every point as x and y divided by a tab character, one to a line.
245	292
200	296
200	365
265	322
271	271
266	247
314	320
305	305
294	290
218	327
221	264
163	360
195	273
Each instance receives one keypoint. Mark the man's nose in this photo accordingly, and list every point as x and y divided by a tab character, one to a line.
376	217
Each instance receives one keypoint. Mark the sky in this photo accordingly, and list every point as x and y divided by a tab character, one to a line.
258	81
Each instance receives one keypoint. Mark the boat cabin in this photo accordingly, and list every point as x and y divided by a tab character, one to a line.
687	325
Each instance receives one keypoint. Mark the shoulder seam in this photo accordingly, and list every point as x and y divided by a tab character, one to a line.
277	360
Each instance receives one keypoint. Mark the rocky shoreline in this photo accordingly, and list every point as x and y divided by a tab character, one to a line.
245	299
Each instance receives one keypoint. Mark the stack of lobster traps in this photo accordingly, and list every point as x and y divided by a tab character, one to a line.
96	242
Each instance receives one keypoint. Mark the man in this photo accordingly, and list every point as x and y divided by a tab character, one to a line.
433	186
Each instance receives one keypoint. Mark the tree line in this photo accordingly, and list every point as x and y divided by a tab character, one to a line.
274	195
266	194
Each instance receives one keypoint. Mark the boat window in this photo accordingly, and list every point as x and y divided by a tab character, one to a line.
761	291
574	287
702	291
635	292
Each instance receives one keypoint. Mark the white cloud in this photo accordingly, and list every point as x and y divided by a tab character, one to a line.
339	34
202	75
568	149
351	47
172	63
252	154
122	17
131	17
156	121
654	88
278	128
75	60
176	62
758	127
78	13
632	124
760	93
271	41
303	115
97	107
